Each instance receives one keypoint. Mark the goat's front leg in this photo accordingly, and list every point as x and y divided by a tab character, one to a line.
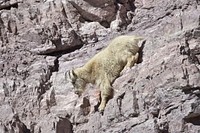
104	99
131	61
106	91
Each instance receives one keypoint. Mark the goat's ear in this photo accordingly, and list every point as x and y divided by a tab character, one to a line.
70	76
139	41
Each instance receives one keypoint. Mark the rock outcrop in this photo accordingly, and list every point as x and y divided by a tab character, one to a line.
41	39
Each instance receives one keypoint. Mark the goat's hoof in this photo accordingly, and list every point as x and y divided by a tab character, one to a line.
101	111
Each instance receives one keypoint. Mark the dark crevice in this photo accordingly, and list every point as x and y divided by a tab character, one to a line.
187	89
62	52
140	59
165	15
8	6
132	5
185	49
191	90
85	106
116	2
193	59
105	24
193	120
135	105
191	54
130	2
56	65
119	101
181	22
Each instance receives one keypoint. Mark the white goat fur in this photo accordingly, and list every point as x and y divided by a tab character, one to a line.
106	66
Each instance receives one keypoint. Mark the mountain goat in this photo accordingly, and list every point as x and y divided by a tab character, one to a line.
105	67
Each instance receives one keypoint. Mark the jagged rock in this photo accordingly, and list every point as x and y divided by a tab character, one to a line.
13	124
63	126
6	113
100	11
52	124
93	32
158	95
9	4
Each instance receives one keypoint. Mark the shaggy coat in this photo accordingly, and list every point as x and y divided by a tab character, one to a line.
105	67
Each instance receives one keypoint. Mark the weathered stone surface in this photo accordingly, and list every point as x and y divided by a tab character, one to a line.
41	40
93	32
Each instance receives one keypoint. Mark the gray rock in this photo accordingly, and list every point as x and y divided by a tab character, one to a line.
42	39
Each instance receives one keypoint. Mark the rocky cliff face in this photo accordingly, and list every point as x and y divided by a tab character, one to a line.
41	39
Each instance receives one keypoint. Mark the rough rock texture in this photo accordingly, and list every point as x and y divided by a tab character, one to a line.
41	39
